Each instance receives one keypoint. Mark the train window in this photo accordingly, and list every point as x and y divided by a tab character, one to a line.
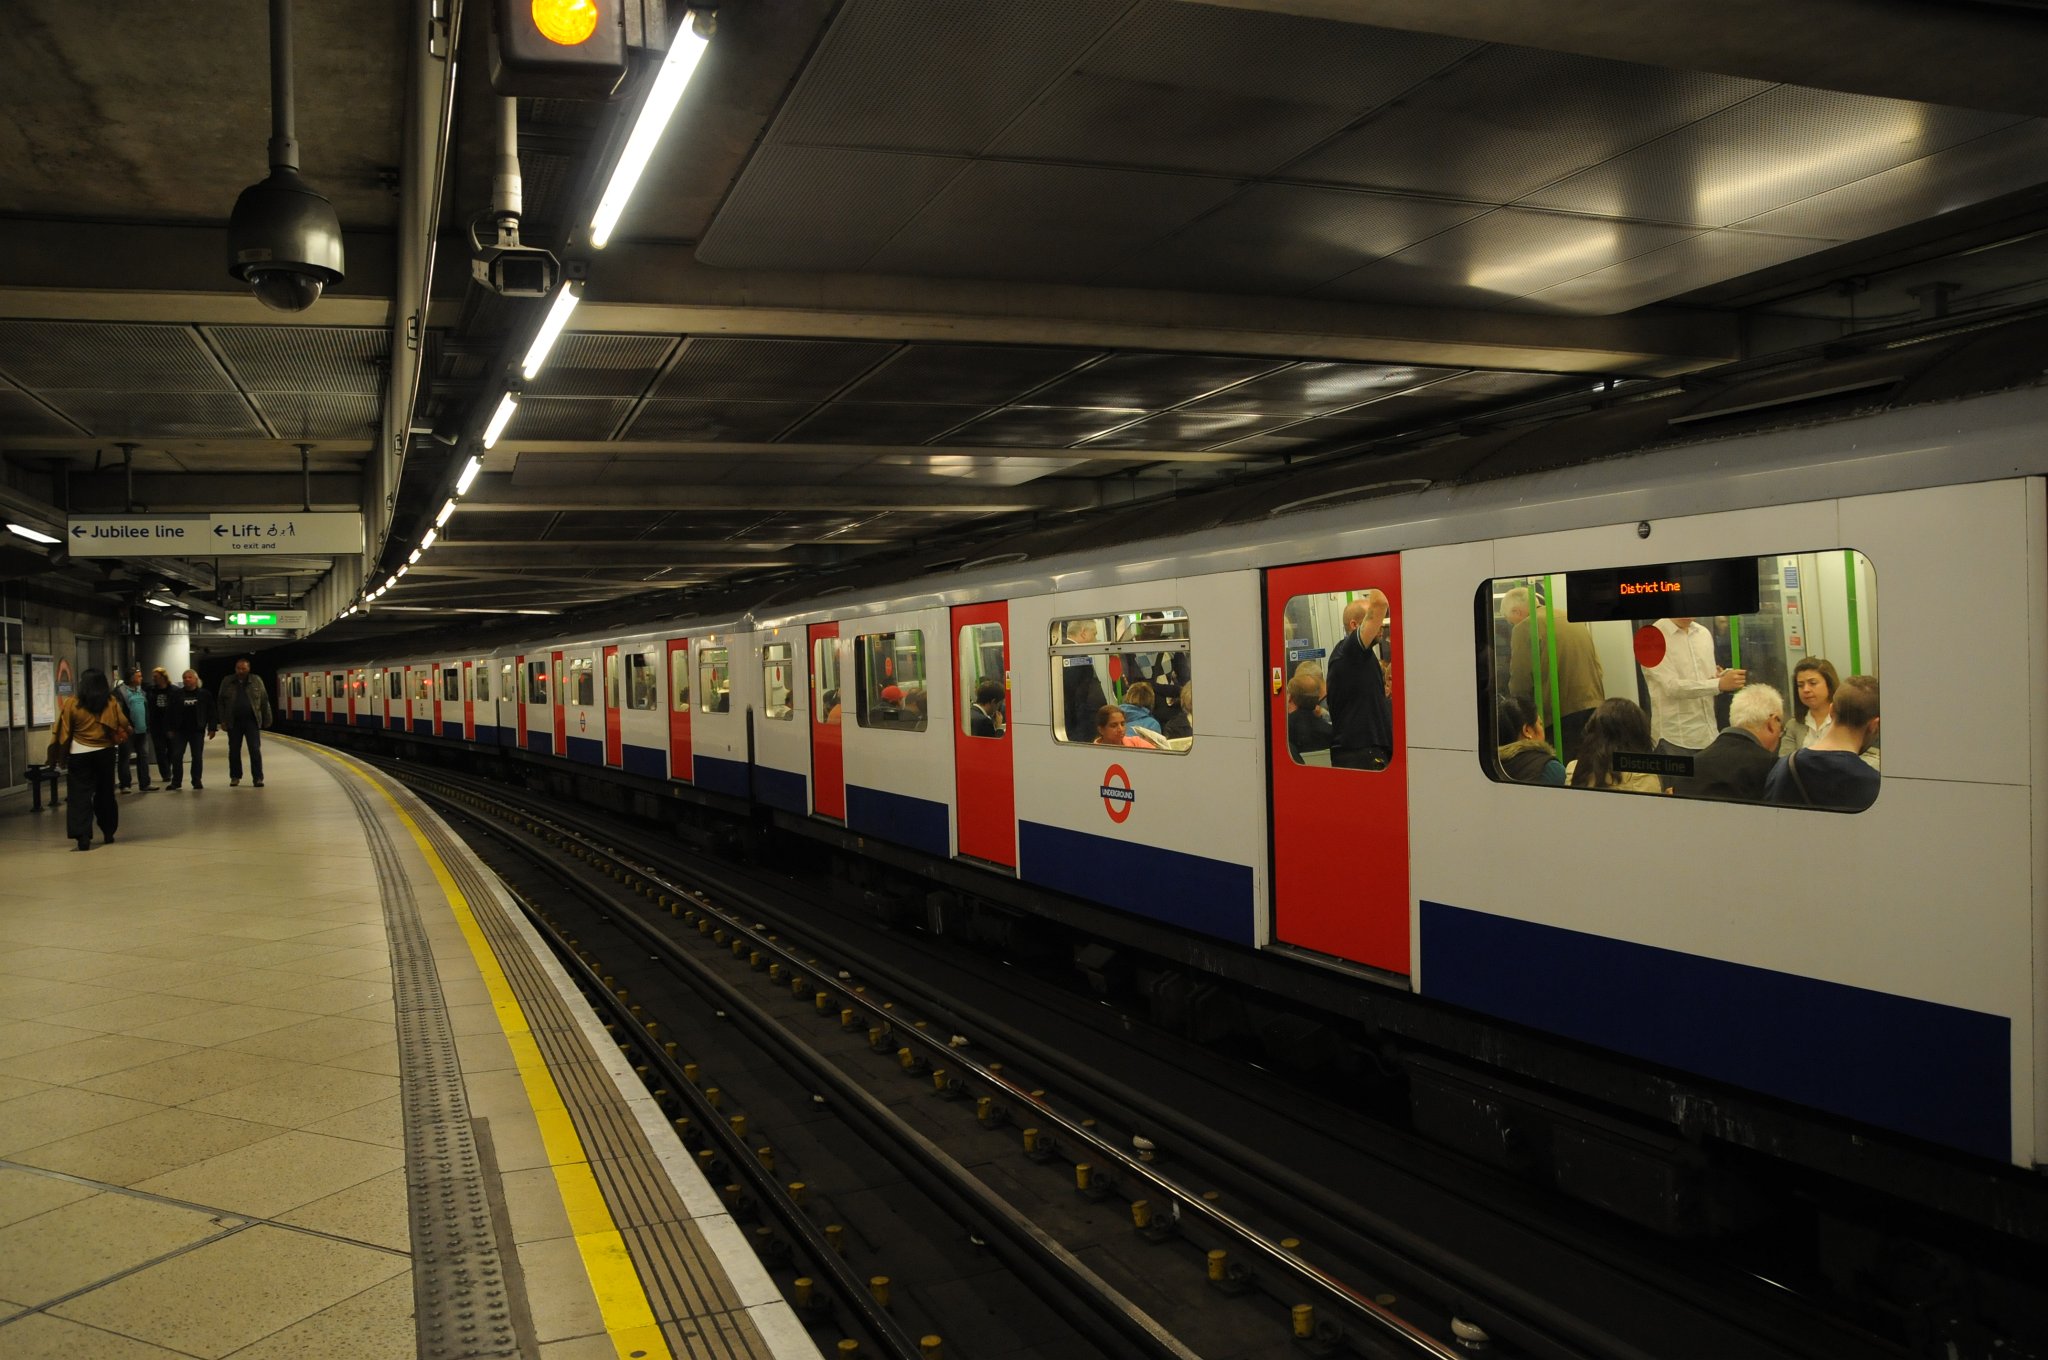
679	679
317	690
714	679
1347	723
889	680
984	681
508	676
451	682
536	682
611	679
778	674
296	693
1123	680
338	688
582	681
643	691
423	685
481	680
394	684
825	680
1757	684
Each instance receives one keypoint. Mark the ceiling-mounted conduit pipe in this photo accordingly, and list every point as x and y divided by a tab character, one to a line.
423	166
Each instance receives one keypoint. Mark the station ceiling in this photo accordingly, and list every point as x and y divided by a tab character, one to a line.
905	271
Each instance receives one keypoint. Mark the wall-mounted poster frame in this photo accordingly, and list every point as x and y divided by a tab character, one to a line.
42	691
14	709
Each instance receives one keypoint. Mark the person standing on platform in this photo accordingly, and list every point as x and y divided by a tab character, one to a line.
1683	686
88	732
242	705
1359	695
162	714
191	728
134	751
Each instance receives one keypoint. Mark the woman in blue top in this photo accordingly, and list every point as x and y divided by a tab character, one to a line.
1137	707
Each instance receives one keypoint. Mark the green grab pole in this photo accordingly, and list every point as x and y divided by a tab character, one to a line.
1735	642
1855	627
1550	651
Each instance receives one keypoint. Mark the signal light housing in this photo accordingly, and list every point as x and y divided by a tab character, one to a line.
539	52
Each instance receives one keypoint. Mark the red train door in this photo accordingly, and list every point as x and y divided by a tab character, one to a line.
468	702
555	672
1340	826
437	681
518	698
828	741
614	739
679	708
331	683
354	679
982	765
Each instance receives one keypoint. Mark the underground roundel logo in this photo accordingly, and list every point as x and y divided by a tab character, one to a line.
1117	796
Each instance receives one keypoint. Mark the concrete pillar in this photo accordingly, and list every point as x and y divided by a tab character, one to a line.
166	641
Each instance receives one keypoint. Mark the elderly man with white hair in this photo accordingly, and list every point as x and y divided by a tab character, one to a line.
1738	761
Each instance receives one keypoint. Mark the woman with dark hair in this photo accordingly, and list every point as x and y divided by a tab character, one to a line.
1814	682
88	732
1525	756
1617	725
1111	728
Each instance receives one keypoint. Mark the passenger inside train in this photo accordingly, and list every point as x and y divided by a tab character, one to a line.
1339	643
889	680
1138	662
1691	702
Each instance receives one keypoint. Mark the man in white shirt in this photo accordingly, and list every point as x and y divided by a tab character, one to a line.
1683	686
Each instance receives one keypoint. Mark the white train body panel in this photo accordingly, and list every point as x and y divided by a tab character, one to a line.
899	782
782	722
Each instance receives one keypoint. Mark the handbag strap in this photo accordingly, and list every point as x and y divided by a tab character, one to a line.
1792	768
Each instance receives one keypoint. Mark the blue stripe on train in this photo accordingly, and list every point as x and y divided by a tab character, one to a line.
368	720
918	823
543	741
646	760
486	734
785	789
423	726
590	752
1213	896
1936	1072
452	730
721	775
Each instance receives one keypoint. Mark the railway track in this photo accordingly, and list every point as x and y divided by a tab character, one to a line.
1336	1264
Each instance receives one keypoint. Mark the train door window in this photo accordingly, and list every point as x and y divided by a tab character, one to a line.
423	685
1752	679
1339	697
643	691
984	693
679	681
482	682
582	681
451	682
825	679
296	694
714	680
1124	679
778	671
508	675
536	682
889	677
315	683
394	684
612	696
338	686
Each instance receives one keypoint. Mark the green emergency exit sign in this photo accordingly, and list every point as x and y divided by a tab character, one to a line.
246	620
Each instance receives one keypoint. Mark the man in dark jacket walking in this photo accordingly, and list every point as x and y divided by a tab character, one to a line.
243	707
191	724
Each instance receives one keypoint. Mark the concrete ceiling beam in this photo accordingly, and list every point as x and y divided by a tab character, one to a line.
683	449
663	289
197	493
1971	56
496	492
636	553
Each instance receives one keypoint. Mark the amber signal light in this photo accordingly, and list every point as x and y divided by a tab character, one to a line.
566	23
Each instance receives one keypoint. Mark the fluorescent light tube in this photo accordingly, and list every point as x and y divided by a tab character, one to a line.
32	535
507	404
160	604
447	509
211	618
390	581
551	329
414	558
427	541
469	472
403	568
684	52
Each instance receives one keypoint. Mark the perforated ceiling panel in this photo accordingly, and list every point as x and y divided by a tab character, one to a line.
158	415
22	414
860	422
965	375
768	370
854	201
592	365
562	418
1185	430
1316	389
1147	382
92	355
306	415
304	358
715	420
1054	427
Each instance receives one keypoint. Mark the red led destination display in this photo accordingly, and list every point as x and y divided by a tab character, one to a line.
1726	585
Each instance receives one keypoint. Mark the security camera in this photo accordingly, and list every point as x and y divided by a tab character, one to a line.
284	241
516	271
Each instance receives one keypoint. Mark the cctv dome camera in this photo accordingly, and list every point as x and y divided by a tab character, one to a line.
284	241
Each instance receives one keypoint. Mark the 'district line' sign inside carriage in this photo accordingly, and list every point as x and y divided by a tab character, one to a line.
234	534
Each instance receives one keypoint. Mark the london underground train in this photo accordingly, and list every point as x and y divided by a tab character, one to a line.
1884	968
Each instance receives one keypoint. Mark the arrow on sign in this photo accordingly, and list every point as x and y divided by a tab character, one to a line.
219	529
78	531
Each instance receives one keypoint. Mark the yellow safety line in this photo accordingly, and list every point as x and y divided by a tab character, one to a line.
621	1298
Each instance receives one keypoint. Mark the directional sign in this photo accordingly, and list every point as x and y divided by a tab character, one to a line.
273	618
287	533
137	535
